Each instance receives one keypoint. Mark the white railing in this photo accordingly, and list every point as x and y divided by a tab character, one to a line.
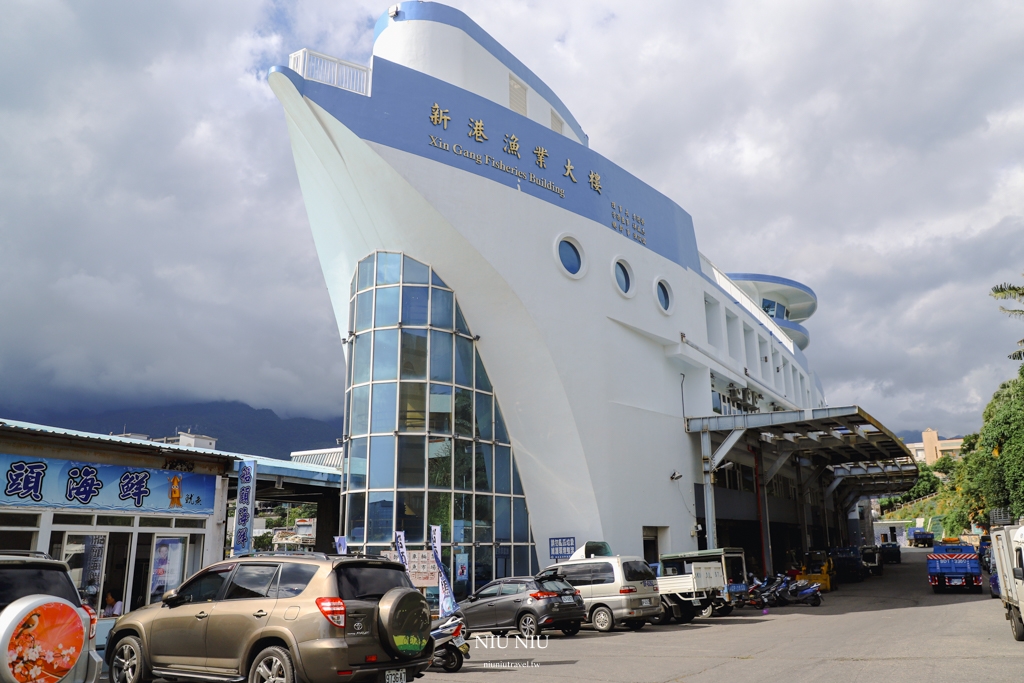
314	66
744	300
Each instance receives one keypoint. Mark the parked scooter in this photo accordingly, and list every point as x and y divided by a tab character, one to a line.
450	647
804	592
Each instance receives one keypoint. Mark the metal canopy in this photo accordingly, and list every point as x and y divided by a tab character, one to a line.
849	451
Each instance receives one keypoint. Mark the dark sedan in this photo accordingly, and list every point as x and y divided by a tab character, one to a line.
526	604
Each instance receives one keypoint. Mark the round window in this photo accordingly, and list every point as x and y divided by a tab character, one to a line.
622	276
664	298
570	256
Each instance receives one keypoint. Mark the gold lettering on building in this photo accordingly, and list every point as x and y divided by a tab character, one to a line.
476	130
439	117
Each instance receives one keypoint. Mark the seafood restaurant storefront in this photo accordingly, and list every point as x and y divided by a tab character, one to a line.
132	518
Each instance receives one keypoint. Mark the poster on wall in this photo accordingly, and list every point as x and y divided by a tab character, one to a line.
71	485
461	567
245	503
168	566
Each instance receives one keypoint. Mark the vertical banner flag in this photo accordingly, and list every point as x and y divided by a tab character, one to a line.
446	599
244	504
403	556
340	545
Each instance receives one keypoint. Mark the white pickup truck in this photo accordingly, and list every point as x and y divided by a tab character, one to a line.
686	587
1008	564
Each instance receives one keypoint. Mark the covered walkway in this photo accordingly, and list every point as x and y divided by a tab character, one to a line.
843	452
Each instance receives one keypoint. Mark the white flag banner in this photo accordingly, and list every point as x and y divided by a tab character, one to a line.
445	596
403	556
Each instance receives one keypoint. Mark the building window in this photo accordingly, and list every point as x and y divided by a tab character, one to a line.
516	95
664	295
556	122
622	276
569	255
427	441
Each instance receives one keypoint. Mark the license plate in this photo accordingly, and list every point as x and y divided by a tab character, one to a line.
956	582
458	640
396	676
645	602
568	599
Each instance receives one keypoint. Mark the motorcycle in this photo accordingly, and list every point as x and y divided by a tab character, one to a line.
797	592
755	592
450	647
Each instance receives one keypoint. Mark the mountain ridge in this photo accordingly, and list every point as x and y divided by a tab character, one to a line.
237	426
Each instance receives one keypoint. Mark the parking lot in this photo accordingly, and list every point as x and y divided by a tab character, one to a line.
887	628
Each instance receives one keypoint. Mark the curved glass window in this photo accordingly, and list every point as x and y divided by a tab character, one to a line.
427	444
386	307
385	354
663	296
622	276
570	257
389	268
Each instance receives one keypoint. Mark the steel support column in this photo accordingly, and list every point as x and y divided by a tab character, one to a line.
762	514
710	530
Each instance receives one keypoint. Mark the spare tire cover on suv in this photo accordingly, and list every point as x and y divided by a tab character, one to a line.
42	638
404	622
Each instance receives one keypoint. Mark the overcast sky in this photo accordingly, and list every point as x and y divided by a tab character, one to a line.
154	247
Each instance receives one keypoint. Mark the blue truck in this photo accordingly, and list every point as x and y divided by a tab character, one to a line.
918	537
954	566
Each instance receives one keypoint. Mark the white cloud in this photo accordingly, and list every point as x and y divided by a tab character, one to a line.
155	246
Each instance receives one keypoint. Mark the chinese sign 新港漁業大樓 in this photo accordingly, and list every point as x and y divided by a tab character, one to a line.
48	482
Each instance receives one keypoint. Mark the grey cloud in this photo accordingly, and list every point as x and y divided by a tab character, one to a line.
156	246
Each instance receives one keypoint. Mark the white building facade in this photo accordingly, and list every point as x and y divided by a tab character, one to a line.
516	304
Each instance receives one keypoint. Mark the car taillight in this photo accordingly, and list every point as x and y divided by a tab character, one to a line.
92	621
627	589
540	595
577	592
333	609
977	580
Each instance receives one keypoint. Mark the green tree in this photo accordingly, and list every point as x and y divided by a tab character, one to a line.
945	465
1008	292
263	542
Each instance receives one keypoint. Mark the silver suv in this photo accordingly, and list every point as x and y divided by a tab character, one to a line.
47	632
280	618
615	590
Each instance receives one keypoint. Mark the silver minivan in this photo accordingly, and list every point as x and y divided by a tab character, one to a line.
621	589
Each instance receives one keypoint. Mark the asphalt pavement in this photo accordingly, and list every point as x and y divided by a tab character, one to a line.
888	628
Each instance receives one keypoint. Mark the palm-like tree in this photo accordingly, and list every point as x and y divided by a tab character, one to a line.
1013	293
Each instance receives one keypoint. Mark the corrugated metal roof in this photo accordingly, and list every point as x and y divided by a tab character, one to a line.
264	465
289	468
110	438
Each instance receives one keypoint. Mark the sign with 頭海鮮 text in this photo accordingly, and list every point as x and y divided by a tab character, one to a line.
69	484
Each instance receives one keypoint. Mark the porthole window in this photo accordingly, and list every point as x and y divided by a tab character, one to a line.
622	278
664	293
570	257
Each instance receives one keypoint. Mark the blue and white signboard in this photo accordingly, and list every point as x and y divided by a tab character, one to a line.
68	484
562	547
244	504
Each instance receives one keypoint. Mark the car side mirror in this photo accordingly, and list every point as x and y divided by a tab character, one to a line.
1018	573
171	599
473	598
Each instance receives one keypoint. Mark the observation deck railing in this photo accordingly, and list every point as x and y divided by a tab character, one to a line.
744	300
314	66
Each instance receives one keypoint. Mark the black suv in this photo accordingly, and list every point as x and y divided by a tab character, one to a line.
528	604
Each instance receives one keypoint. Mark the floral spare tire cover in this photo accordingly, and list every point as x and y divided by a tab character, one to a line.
43	637
404	622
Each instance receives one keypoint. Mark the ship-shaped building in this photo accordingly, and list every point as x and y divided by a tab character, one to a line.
539	355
